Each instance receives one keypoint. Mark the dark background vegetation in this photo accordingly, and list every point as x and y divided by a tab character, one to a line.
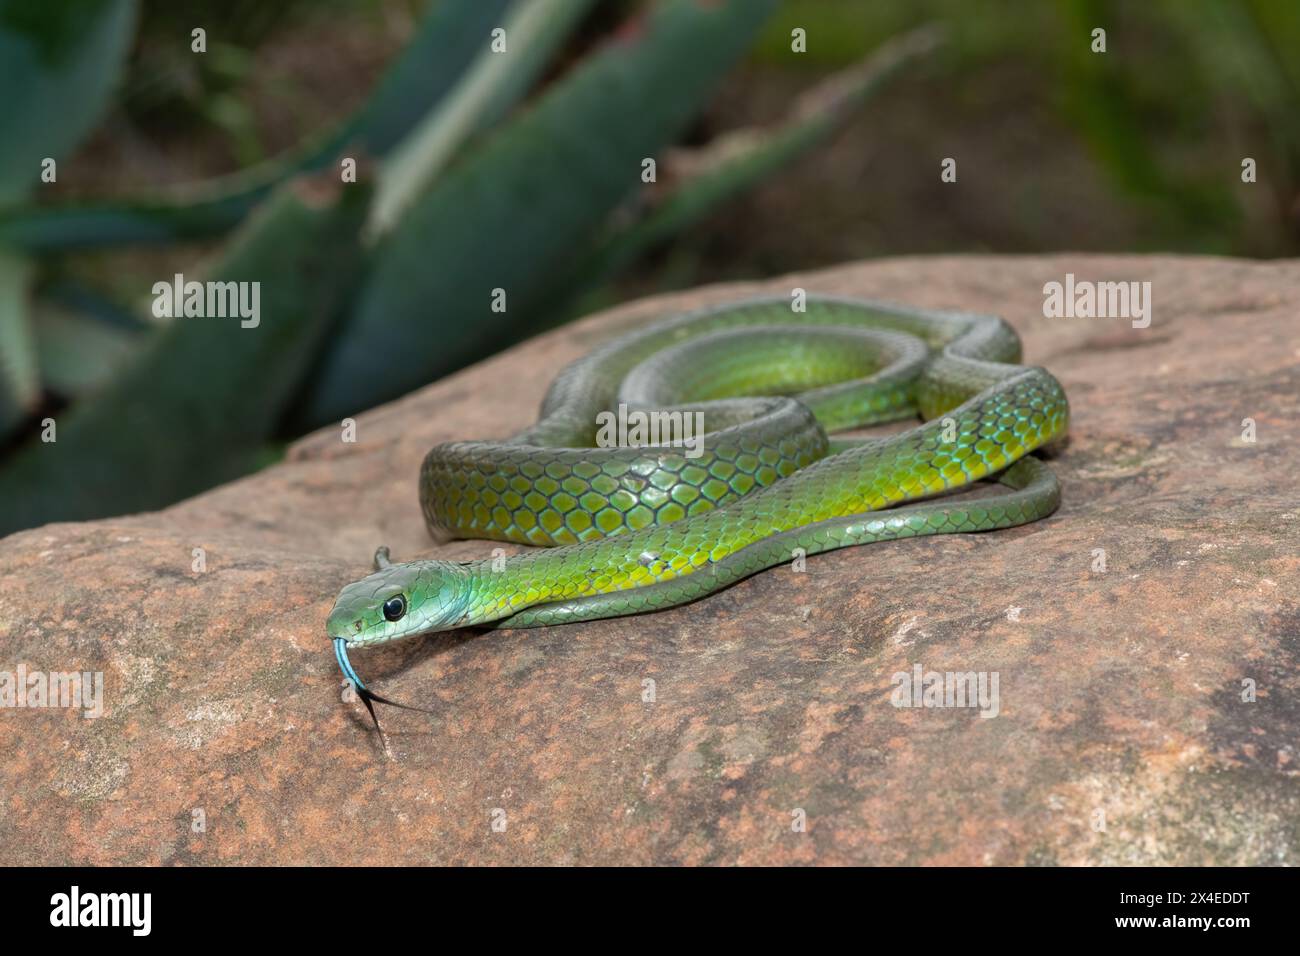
1058	148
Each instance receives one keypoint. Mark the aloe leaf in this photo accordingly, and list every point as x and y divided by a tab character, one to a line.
428	68
73	296
511	213
197	406
58	65
533	31
431	65
84	336
20	385
80	354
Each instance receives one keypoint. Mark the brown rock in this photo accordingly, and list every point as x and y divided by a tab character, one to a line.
1120	691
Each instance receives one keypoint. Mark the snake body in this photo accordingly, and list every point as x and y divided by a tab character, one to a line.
634	529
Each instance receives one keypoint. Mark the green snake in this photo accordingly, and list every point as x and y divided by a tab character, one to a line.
652	526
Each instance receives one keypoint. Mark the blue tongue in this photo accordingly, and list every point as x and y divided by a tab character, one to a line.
368	697
345	665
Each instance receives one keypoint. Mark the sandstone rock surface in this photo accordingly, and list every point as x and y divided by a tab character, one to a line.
1122	735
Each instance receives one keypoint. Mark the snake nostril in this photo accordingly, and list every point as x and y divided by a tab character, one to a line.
356	625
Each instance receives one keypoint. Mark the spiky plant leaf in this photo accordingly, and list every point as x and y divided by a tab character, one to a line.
512	214
197	407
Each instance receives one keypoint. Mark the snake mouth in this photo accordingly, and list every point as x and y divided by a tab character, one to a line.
349	633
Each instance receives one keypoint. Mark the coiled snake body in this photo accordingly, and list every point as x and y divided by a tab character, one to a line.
646	528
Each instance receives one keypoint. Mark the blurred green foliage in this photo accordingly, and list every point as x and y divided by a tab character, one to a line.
522	171
486	175
1185	91
62	58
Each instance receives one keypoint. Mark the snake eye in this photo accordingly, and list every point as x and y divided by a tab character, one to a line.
395	607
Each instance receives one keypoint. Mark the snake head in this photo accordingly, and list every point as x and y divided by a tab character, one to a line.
401	600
